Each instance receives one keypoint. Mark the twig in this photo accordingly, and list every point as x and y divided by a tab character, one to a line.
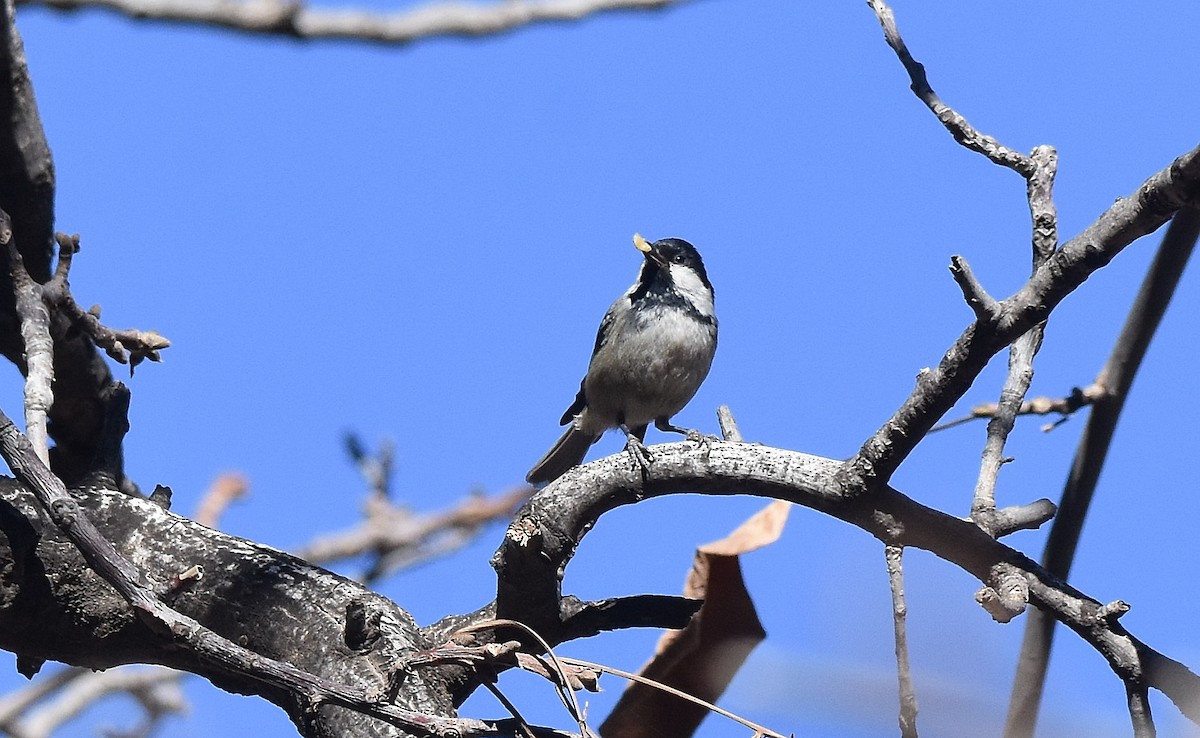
729	427
955	123
984	305
130	346
400	537
301	21
1066	406
908	696
759	730
1116	377
562	684
522	723
223	491
1039	190
155	688
39	347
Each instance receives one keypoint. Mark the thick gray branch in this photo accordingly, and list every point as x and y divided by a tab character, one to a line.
296	615
545	534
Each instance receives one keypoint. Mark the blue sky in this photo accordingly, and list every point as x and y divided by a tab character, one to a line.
418	243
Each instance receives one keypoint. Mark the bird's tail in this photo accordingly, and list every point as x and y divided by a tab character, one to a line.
567	452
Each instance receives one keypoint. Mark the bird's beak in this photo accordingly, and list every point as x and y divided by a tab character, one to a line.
647	248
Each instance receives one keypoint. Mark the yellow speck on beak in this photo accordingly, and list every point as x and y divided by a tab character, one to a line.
641	244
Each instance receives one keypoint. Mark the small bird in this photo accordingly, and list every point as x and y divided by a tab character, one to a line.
653	350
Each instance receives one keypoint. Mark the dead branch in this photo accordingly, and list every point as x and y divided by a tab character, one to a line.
939	388
1115	378
545	535
299	20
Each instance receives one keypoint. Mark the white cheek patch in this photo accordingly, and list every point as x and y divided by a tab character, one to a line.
689	284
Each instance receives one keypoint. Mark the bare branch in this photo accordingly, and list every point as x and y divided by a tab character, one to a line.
1038	170
958	126
299	20
984	305
38	346
908	696
1116	378
1158	198
399	537
1020	355
1039	191
546	534
130	346
185	632
223	491
1064	406
1011	519
156	688
1138	697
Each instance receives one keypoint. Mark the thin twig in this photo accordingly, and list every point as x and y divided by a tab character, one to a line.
985	307
563	683
1040	193
512	709
758	729
908	696
1079	397
223	491
729	426
399	537
39	347
299	20
1116	377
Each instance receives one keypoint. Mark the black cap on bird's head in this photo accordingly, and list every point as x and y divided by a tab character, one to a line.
664	252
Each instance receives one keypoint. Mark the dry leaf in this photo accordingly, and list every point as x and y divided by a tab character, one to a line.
702	658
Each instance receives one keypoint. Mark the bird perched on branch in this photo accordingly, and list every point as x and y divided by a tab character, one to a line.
653	350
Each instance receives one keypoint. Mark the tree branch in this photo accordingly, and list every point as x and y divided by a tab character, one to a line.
545	534
153	632
301	21
1020	355
908	696
1130	218
959	128
1116	378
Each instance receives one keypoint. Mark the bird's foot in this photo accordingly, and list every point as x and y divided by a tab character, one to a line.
690	434
695	436
640	454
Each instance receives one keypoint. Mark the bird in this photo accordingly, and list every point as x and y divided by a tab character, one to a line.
653	350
